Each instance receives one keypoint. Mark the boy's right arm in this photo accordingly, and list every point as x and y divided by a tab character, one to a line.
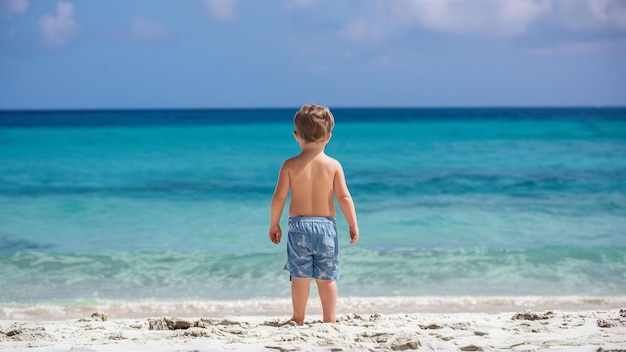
278	204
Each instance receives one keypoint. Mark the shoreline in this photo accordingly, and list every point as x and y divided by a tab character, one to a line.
132	309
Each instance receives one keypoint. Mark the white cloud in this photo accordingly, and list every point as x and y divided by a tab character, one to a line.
147	30
496	17
222	10
493	17
60	28
593	15
9	8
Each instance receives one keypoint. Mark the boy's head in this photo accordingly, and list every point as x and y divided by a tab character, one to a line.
314	123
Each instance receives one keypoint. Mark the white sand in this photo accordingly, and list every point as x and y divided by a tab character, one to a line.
529	331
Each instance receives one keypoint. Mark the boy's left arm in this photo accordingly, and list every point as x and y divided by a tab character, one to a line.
346	203
278	204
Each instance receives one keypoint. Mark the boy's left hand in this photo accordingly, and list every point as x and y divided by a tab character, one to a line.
354	235
275	234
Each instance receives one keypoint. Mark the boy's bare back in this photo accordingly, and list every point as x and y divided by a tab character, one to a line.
311	179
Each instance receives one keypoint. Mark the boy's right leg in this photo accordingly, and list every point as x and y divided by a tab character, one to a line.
300	288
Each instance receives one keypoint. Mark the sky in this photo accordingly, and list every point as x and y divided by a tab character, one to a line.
117	54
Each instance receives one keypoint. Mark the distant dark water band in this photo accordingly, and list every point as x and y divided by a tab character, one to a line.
94	118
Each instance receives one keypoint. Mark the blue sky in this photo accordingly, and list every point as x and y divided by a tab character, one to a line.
77	54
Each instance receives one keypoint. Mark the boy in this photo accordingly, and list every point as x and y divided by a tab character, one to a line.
313	179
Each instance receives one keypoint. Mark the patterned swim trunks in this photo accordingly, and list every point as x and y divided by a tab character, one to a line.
312	248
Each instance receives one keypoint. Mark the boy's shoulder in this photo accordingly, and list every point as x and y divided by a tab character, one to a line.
332	160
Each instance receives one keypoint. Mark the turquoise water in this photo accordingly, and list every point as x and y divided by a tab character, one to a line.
175	204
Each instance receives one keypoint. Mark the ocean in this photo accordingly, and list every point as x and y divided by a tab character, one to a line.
173	205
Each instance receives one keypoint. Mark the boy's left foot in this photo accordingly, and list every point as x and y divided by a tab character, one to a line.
289	322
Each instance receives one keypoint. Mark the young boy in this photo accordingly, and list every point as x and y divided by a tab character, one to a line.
313	179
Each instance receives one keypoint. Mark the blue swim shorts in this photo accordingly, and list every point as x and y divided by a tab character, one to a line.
312	248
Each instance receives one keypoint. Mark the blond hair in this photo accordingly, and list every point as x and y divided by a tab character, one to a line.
314	122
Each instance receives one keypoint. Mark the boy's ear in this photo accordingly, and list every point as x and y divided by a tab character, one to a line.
330	134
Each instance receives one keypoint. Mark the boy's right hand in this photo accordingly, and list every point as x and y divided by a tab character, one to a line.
275	234
354	235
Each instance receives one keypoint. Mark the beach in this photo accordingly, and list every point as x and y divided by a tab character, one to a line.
374	324
524	331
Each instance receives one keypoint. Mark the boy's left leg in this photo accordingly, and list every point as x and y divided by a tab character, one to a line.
328	295
300	288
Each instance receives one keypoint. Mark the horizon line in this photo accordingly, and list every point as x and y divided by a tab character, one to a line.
433	107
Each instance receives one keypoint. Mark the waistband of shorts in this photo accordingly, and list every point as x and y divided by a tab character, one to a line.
310	219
